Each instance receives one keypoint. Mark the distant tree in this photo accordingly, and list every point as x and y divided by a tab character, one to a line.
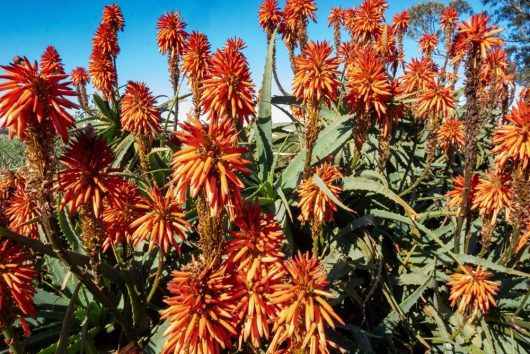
514	16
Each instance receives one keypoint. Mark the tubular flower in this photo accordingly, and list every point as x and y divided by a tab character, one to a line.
259	236
336	17
305	310
296	14
171	36
493	193
495	65
195	57
449	19
51	62
316	77
208	164
367	83
138	112
428	43
523	240
105	41
113	17
199	311
102	73
368	20
228	89
478	33
162	218
87	177
79	76
16	276
451	134
21	212
436	100
118	217
512	140
401	21
269	15
418	75
32	97
457	193
473	290
314	204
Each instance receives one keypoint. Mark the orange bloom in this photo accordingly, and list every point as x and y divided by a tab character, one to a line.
32	97
428	43
368	83
269	15
493	194
162	219
314	204
316	77
512	140
79	76
118	217
368	19
451	134
449	19
195	58
199	311
105	41
22	212
457	193
208	164
259	236
495	65
51	62
102	73
297	12
418	75
305	312
401	21
171	36
336	17
523	240
16	276
228	89
87	177
478	33
437	100
113	17
473	290
138	112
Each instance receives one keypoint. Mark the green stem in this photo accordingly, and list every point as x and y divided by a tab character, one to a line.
158	275
418	181
11	340
508	254
409	163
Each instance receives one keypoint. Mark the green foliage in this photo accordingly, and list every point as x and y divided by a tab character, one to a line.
12	152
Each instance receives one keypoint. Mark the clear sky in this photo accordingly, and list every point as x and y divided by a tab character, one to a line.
28	26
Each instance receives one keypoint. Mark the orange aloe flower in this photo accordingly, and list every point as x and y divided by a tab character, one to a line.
316	79
195	58
79	76
436	99
162	219
171	36
449	19
87	176
208	163
368	83
418	75
473	290
511	140
118	216
477	32
523	240
495	65
401	21
305	312
336	17
314	204
368	19
138	112
428	43
269	15
297	12
32	97
23	214
451	134
51	62
199	311
457	193
228	89
16	276
105	41
113	17
102	73
493	194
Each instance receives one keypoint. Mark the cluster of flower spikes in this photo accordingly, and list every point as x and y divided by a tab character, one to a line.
252	297
105	49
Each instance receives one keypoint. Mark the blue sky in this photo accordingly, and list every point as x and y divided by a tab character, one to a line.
29	26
